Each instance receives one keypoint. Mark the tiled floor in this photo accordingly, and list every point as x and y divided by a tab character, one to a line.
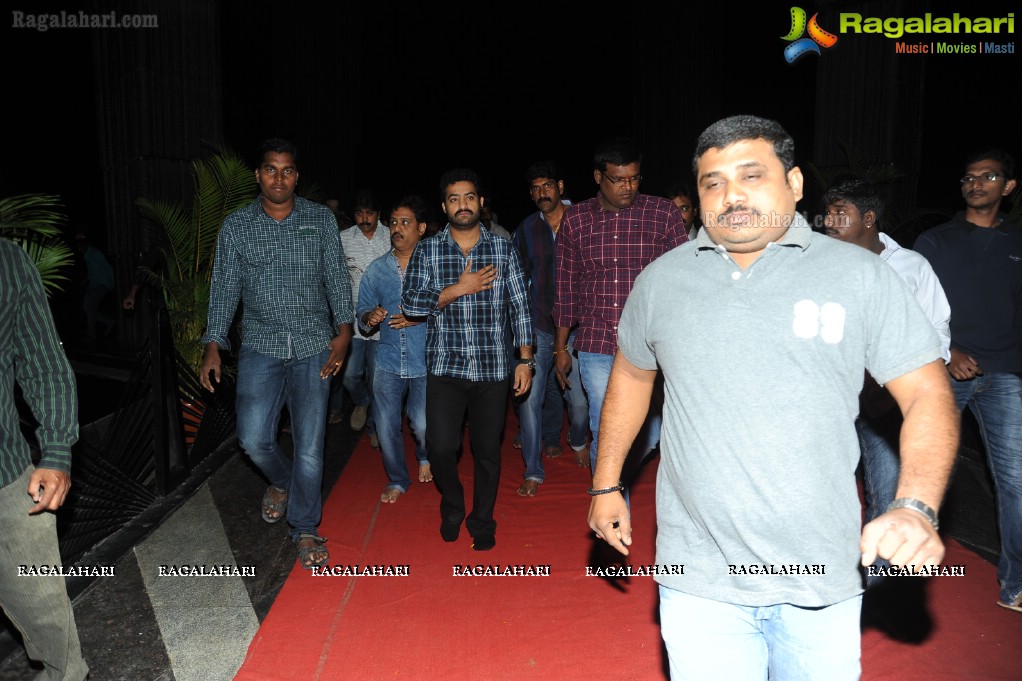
140	626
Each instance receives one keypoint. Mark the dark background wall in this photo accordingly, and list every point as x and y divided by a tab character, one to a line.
386	96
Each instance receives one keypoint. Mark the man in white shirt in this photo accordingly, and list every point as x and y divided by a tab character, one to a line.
854	211
363	243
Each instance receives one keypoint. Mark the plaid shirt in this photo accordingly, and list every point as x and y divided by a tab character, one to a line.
466	339
30	354
290	276
599	253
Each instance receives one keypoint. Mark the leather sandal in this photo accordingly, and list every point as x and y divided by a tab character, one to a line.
278	507
305	552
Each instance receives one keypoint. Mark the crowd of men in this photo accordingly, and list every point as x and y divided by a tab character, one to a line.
653	334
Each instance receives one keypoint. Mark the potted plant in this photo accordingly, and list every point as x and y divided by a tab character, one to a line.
223	183
33	222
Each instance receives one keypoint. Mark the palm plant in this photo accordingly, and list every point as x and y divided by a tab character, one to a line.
223	183
33	222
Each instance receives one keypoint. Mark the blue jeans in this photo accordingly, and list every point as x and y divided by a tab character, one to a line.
553	408
265	384
531	411
594	369
878	442
389	393
709	640
357	378
37	606
996	401
540	413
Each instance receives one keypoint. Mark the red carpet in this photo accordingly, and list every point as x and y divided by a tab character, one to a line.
434	625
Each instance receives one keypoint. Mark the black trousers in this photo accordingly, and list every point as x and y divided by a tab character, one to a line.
447	401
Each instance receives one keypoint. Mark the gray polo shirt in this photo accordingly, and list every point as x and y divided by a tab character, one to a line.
762	372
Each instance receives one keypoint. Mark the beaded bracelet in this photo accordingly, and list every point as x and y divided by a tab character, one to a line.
606	490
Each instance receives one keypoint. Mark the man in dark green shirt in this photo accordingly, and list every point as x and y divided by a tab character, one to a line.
31	356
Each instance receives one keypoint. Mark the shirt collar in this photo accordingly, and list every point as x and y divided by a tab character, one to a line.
799	235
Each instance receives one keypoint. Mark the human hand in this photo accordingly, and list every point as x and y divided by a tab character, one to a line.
399	321
902	536
562	367
523	379
374	317
210	362
338	349
48	487
474	282
962	367
609	517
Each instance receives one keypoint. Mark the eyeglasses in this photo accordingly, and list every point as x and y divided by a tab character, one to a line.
982	177
548	185
618	181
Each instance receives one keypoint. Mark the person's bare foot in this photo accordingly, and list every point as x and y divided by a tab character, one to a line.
390	495
552	451
425	473
528	488
582	458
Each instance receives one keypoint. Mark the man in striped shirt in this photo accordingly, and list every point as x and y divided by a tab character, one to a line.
30	351
467	282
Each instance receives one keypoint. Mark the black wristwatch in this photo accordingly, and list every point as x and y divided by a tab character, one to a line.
531	363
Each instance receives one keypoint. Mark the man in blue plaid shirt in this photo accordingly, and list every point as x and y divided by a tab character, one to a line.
467	282
281	255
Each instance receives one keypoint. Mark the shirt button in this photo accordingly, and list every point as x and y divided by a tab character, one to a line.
615	236
615	304
736	275
615	281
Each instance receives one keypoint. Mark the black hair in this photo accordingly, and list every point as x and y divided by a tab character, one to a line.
458	175
727	131
862	194
276	145
1002	157
616	151
540	169
364	199
417	205
680	189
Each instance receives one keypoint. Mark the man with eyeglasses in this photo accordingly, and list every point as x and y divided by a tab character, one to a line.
978	259
363	243
603	244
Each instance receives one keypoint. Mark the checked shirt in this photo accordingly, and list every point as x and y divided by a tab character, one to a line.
598	256
290	276
467	338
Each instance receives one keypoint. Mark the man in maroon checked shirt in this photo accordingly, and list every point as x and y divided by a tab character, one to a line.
603	244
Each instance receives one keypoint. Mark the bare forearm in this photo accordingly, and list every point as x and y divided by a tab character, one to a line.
624	411
929	439
561	334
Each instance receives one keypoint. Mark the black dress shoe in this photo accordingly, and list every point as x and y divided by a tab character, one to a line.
449	531
484	542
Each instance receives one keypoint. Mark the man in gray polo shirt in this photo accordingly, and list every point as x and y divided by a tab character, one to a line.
756	492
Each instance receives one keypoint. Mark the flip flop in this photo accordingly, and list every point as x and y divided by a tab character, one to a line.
280	507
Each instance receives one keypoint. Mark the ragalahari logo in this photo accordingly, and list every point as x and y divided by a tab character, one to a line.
800	46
